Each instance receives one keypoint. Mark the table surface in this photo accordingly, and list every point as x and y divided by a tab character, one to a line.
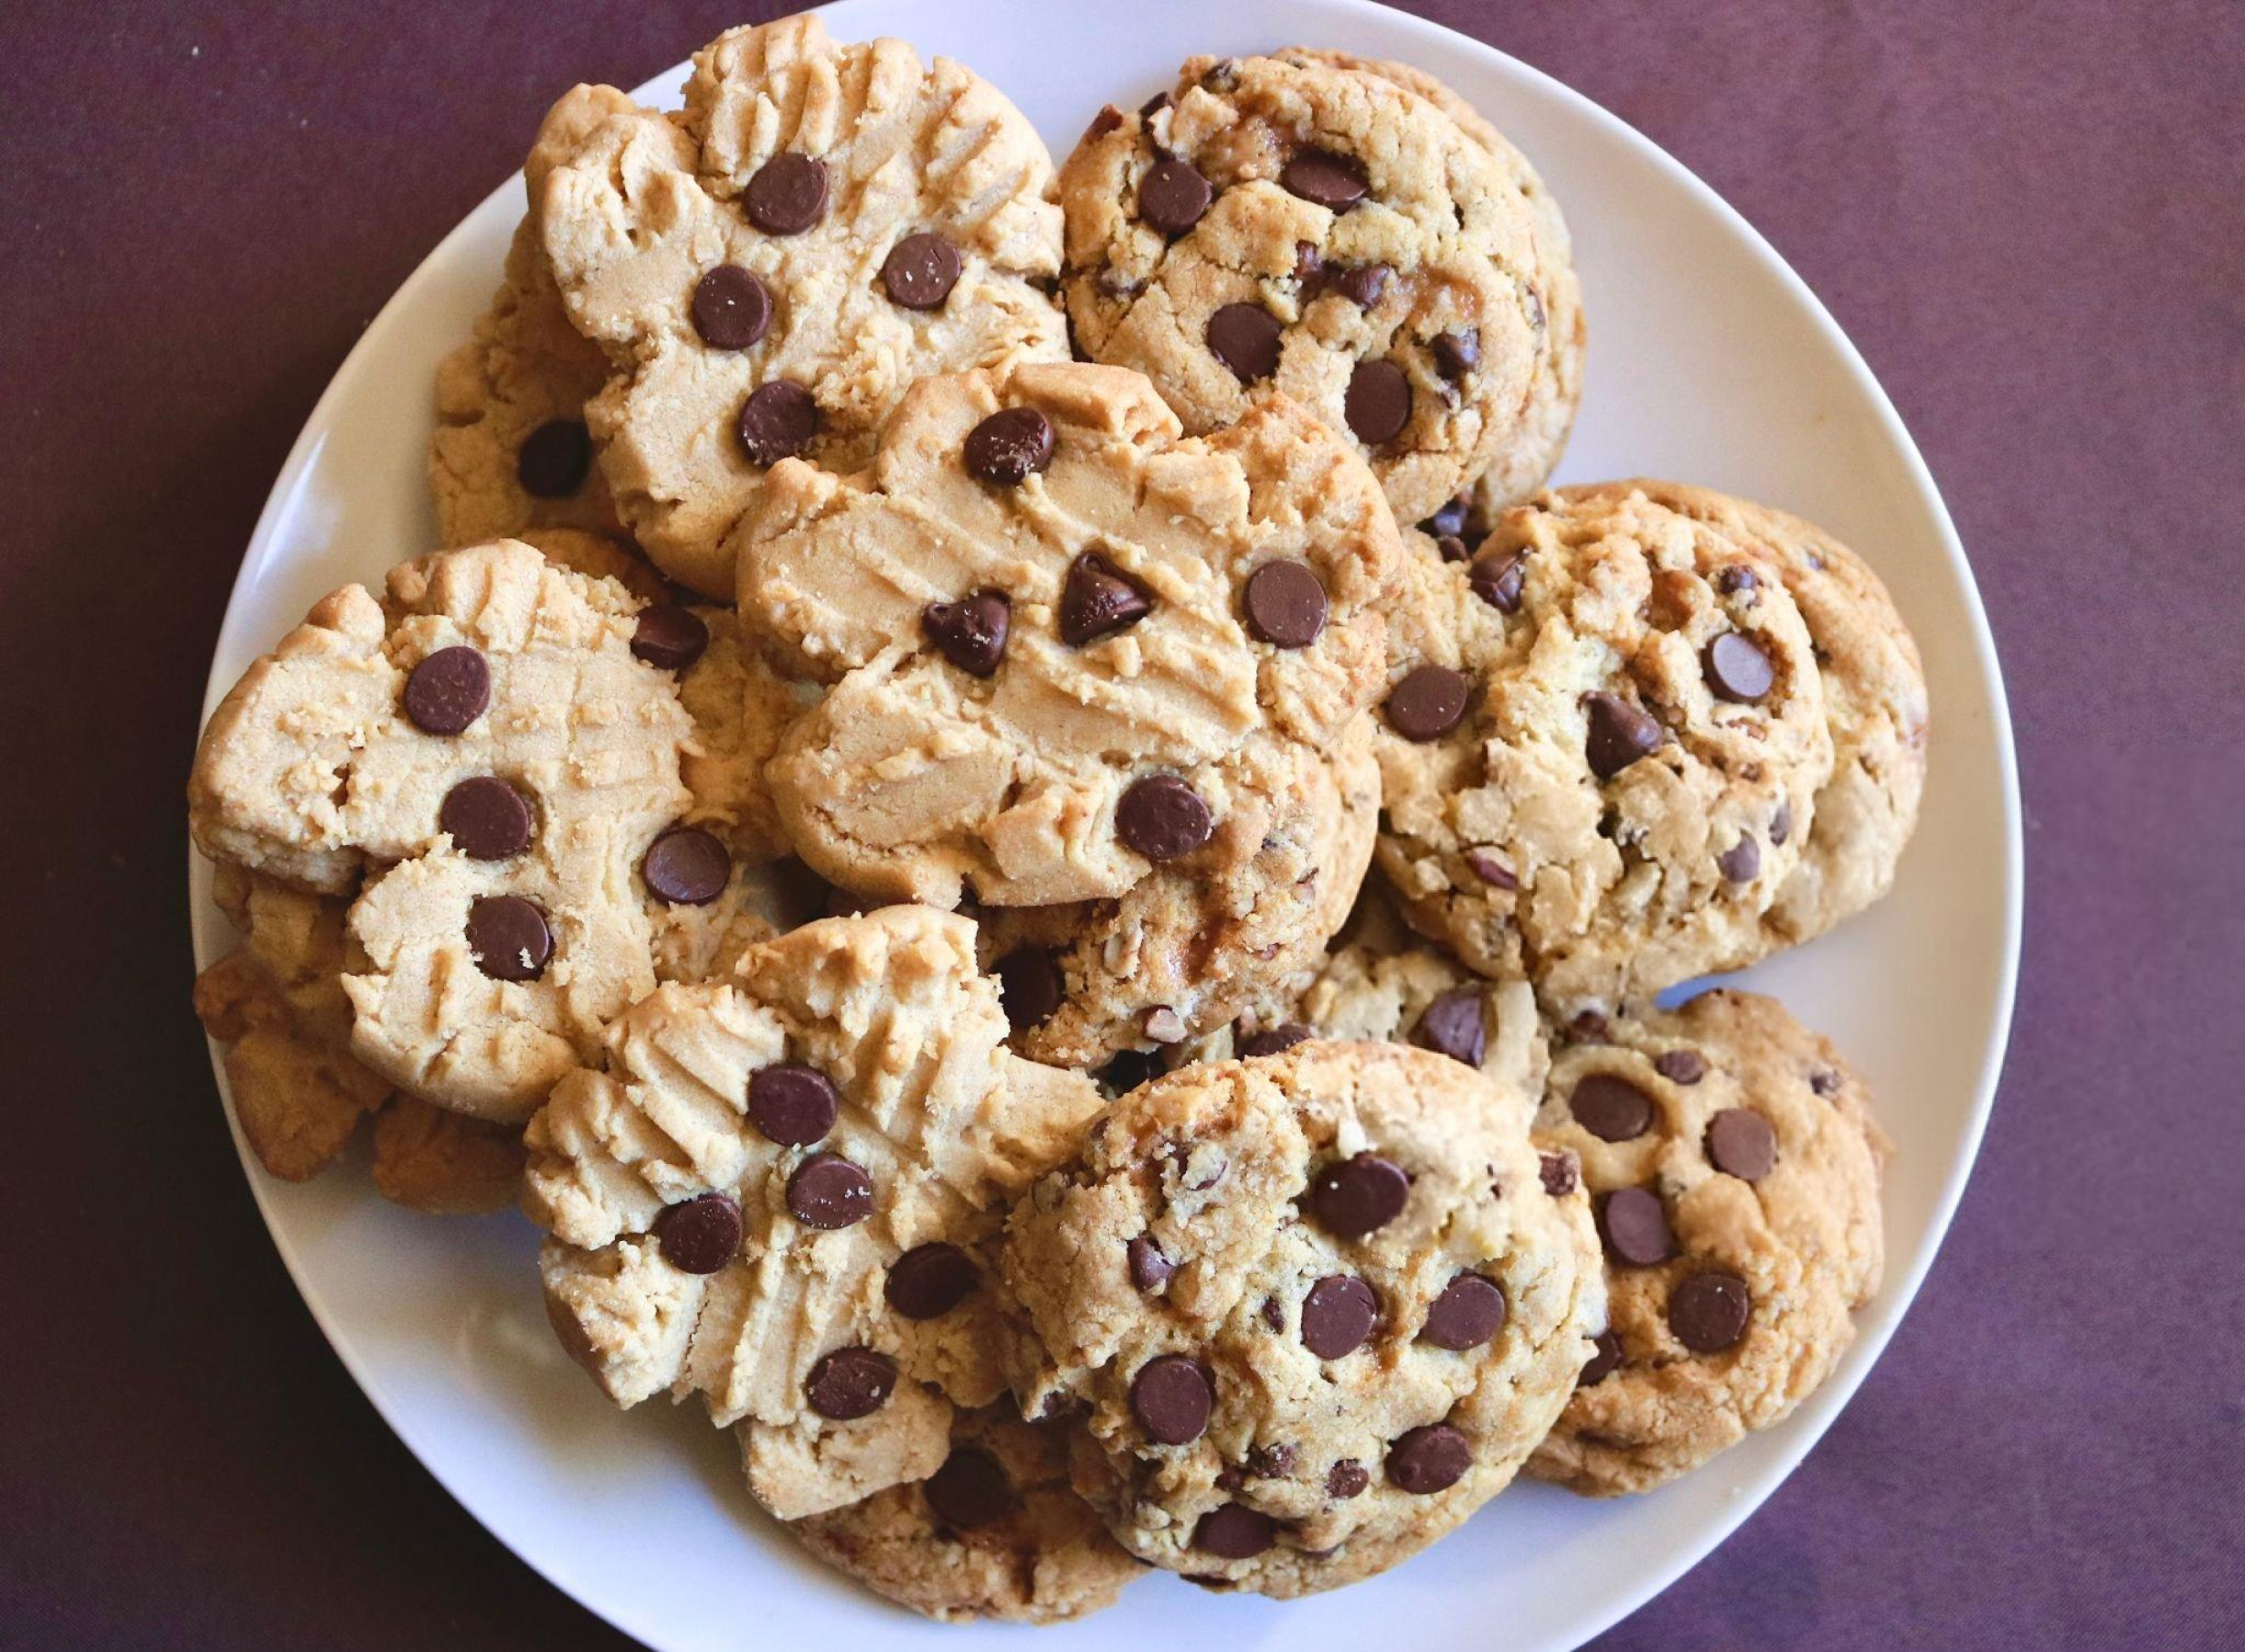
2031	220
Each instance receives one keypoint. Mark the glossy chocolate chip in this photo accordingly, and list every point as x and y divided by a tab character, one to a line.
788	194
827	1191
732	307
1272	1040
1149	1269
1737	669
920	271
1346	1478
1162	817
1452	1026
1244	338
687	866
1171	1397
1741	1143
509	939
1636	1226
851	1382
486	818
1428	702
930	1280
1029	985
668	637
792	1105
1680	1067
554	459
448	690
1468	1312
1377	404
1602	1363
1450	518
970	1491
1709	1311
1337	1315
971	632
1496	576
1234	1532
1363	285
1429	1459
1560	1172
1173	196
777	421
1336	182
1610	1107
1096	598
1285	604
1781	823
1458	353
1617	734
1011	446
699	1236
1358	1195
1740	862
1491	869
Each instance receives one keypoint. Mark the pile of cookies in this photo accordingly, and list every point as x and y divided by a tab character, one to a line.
1015	824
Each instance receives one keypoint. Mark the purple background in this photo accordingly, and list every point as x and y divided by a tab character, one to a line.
2032	220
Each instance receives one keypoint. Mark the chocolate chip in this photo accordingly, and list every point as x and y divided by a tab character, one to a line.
1450	548
788	194
791	1104
1468	1312
668	637
1337	1315
1457	353
1361	286
1106	121
687	867
1309	269
554	459
851	1382
1452	1026
1450	518
1619	734
1602	1363
1273	1462
1740	862
1029	985
732	308
1171	1397
1273	1313
1588	1027
1272	1040
970	1491
1741	1143
1824	1082
1345	1480
701	1234
1781	823
1490	868
1213	1167
1221	76
1096	598
1428	702
1735	579
1636	1226
777	421
1149	1269
486	818
1377	404
1429	1459
1244	338
1335	181
1562	1172
1234	1532
920	271
1497	577
1285	604
1708	1312
1737	669
1162	817
1680	1067
509	939
448	690
1358	1195
1011	446
1173	196
971	632
1153	106
930	1280
1610	1107
827	1191
1129	1069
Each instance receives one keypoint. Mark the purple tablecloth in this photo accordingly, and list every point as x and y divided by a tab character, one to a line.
2031	220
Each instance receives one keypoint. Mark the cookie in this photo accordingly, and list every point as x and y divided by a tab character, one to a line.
1735	1166
1319	1305
769	270
776	1191
1874	696
1110	664
1288	221
996	1532
599	555
1601	748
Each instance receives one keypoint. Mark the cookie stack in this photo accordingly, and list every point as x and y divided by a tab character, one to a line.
1013	822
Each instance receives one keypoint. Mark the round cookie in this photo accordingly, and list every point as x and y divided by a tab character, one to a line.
1601	747
996	1532
1735	1166
769	269
1321	1307
1122	671
599	555
1286	221
778	1191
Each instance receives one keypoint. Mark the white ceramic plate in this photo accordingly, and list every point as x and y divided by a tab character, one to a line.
1710	362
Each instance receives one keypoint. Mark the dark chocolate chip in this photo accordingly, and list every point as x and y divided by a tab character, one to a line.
1162	817
1588	1027
1457	353
1377	403
788	194
1497	577
1221	75
851	1382
1737	668
1153	106
1149	1269
777	421
668	637
1450	548
554	459
1171	1397
701	1234
971	632
1428	702
1468	1312
1453	1026
792	1105
1173	196
1106	121
1610	1107
1272	1040
1602	1363
1337	1315
930	1280
1096	598
1319	175
1781	823
509	939
970	1491
1740	862
827	1191
1029	985
1429	1459
687	867
1741	1143
1273	1313
1450	518
1358	1195
1234	1532
1244	338
1491	869
920	271
1561	1173
1131	1068
1619	734
1363	285
1680	1067
1345	1480
1709	1311
448	690
1011	446
1309	269
732	308
1735	579
1636	1226
486	818
1285	604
